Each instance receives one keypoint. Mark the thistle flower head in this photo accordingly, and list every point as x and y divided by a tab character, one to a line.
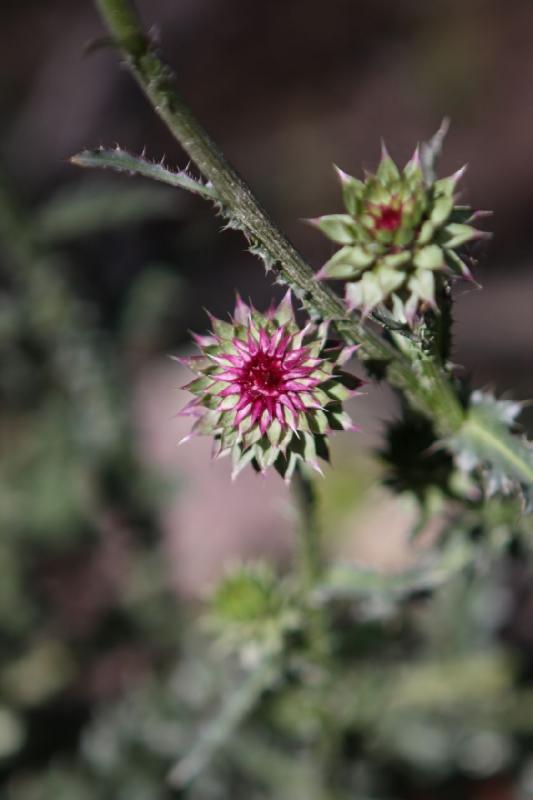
399	232
267	391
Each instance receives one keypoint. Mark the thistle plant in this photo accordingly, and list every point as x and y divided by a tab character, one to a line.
400	235
269	390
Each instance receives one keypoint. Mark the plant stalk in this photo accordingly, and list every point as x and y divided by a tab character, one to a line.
310	546
237	199
422	379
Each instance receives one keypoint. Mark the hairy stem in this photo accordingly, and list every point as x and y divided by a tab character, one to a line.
422	378
121	161
311	563
235	196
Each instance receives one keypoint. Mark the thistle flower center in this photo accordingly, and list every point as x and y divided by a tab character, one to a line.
263	375
389	218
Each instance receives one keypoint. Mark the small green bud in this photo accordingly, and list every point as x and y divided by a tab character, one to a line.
399	235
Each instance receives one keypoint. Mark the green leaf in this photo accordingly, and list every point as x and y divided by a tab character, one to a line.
485	442
121	161
351	581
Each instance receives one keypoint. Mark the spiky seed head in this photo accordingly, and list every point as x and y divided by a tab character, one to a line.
268	391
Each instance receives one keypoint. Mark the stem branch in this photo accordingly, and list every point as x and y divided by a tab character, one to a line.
421	377
238	201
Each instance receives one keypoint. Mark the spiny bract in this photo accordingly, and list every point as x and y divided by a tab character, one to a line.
267	391
399	232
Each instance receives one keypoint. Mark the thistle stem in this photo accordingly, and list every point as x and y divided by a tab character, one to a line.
422	379
310	546
237	199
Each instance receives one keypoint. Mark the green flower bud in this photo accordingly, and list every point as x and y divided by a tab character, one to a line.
399	237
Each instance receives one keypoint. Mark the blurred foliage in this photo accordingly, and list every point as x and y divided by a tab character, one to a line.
108	685
85	610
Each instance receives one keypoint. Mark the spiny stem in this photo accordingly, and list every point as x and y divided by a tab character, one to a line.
121	161
156	80
422	379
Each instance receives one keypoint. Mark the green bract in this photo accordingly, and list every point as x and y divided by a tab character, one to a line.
268	391
252	606
398	234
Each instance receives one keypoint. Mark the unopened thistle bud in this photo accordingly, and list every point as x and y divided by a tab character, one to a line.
398	235
269	392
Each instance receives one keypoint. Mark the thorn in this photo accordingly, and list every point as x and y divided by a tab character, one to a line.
456	177
286	300
480	214
343	176
415	158
444	127
314	222
384	152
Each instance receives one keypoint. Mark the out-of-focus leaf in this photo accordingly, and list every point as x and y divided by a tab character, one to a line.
381	589
40	673
92	208
153	307
221	727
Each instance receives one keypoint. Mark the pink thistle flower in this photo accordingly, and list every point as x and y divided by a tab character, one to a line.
267	391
